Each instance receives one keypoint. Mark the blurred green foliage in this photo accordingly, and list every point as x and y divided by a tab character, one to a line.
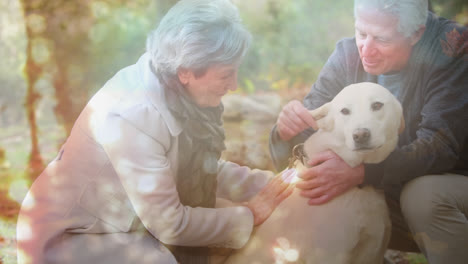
292	41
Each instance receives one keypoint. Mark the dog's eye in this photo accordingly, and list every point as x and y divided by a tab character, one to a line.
376	106
345	111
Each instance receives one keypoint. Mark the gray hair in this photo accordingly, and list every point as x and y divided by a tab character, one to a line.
411	14
197	34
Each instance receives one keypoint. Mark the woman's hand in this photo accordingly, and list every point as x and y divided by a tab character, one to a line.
264	203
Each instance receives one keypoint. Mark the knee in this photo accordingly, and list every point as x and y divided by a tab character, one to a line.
419	201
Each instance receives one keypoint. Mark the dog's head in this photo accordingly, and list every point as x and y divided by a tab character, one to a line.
367	117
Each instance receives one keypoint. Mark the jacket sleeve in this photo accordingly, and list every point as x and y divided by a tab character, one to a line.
140	160
240	183
331	80
440	138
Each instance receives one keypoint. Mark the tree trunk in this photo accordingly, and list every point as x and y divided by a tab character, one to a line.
32	72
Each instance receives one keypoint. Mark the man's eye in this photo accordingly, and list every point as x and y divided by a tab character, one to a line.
376	106
383	40
345	111
360	34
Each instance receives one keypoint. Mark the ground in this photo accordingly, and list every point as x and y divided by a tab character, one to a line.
8	214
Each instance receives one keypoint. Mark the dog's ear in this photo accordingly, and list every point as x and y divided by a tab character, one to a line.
324	120
402	125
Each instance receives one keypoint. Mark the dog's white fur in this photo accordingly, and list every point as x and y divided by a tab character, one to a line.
355	226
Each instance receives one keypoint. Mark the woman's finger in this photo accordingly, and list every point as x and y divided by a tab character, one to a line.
284	194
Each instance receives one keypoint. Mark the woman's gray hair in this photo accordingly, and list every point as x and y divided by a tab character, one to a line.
197	34
411	14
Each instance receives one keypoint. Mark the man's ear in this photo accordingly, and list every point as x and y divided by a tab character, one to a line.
324	120
402	125
416	36
184	75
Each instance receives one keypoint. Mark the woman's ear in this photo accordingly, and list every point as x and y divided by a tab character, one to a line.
184	75
321	115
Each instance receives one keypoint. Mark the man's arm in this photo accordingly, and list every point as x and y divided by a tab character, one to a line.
440	137
329	82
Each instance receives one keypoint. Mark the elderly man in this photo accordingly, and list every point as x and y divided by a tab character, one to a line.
422	59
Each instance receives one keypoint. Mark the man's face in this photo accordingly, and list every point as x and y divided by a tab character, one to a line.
381	47
207	90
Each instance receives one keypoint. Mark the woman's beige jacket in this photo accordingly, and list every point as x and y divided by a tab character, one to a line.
110	194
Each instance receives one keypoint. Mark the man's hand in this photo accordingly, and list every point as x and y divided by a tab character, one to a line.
293	119
328	177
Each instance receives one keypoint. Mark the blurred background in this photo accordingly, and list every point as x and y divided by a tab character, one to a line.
54	54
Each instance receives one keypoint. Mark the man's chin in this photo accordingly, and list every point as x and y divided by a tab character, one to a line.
372	70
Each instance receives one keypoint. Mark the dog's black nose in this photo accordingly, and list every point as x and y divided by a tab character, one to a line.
361	135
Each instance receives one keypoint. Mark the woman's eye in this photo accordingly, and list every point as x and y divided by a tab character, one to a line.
345	111
376	106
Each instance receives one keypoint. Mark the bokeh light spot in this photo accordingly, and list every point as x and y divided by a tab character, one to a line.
291	255
18	190
99	9
24	230
147	184
41	50
36	23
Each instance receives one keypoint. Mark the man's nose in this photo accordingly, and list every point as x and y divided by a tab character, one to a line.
368	47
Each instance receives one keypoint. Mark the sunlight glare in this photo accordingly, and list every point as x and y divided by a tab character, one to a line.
291	255
24	230
147	184
290	175
23	257
18	190
29	202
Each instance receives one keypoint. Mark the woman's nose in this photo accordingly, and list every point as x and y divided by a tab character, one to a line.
233	84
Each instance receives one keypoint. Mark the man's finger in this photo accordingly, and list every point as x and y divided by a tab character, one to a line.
308	174
288	128
309	184
320	158
330	195
305	116
314	193
319	200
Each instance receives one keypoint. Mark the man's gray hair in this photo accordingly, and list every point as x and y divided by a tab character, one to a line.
197	34
411	14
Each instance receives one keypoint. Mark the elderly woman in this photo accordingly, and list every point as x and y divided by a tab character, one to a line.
140	178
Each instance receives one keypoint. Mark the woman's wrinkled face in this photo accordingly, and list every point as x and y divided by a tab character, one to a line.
381	47
208	89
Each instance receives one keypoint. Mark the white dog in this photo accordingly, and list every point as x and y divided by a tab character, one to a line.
361	124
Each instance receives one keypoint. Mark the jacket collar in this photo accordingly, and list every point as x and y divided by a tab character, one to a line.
155	93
